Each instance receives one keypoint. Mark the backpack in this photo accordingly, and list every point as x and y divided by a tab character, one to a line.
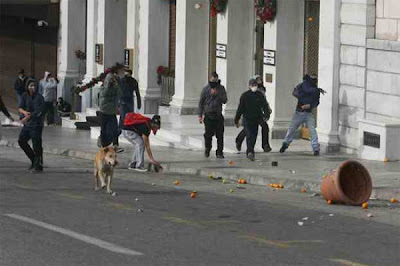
133	119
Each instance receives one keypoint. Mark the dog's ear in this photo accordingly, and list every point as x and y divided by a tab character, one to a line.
105	149
116	163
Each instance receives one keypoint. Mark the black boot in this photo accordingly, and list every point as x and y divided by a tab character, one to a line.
284	147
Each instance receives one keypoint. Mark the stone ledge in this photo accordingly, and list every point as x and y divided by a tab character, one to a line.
383	45
366	2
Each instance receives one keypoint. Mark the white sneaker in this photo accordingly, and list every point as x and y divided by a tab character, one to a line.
140	169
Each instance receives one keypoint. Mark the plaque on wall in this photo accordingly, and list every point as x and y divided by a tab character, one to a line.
269	57
128	58
220	51
98	53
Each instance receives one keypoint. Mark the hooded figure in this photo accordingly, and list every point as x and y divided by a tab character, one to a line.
31	110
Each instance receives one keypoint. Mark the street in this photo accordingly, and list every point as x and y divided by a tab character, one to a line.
56	218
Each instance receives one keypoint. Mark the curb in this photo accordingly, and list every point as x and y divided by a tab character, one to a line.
382	193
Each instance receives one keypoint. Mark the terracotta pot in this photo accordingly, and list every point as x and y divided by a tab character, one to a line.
350	184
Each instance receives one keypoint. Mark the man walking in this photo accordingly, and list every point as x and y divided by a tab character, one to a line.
108	100
254	107
129	85
19	85
31	110
307	94
48	89
212	98
137	131
263	123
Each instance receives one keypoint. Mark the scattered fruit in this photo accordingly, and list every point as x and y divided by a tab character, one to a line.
276	185
324	176
330	202
393	200
231	163
224	181
365	205
211	176
303	190
193	194
386	160
242	181
176	183
231	191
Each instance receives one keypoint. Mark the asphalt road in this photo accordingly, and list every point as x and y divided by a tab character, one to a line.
56	218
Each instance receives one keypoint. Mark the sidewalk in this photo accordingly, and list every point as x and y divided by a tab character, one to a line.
296	169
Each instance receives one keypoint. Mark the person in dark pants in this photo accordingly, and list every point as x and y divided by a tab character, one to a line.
31	110
212	98
254	107
4	109
108	100
128	85
263	123
19	85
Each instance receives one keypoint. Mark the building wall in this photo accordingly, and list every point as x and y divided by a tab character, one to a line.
369	67
388	20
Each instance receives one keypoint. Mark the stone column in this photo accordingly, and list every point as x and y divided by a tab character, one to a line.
328	74
132	33
153	50
72	34
285	36
191	70
91	37
235	28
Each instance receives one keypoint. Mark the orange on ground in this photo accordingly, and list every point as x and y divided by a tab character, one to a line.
193	195
386	160
176	182
365	205
231	163
329	202
303	190
393	200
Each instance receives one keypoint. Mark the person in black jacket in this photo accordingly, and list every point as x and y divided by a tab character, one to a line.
263	123
19	85
128	85
254	107
212	98
31	109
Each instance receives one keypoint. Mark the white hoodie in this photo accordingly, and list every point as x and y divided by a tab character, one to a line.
48	88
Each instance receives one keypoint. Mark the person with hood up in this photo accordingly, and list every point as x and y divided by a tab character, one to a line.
254	107
48	89
19	85
31	110
263	123
307	94
213	96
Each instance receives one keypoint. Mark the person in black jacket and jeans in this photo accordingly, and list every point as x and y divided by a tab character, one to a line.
212	98
254	107
19	85
31	109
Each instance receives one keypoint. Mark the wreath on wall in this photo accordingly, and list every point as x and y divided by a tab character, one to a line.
218	6
265	9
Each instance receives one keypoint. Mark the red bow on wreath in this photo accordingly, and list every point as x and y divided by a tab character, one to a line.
265	9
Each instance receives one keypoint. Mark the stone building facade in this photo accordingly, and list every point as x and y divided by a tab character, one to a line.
353	46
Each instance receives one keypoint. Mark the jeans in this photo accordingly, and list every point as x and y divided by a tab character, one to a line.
109	130
19	99
124	109
297	120
251	130
214	126
138	143
264	131
49	112
35	154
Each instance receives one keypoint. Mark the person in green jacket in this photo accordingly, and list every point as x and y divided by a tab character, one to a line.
108	102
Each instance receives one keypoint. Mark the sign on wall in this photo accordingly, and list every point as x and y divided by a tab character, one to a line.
98	53
220	51
269	57
128	58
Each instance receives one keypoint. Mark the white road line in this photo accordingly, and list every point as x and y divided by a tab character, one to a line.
90	240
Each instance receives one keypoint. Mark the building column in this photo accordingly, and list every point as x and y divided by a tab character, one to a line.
132	33
191	66
284	36
72	34
91	37
235	29
152	50
328	75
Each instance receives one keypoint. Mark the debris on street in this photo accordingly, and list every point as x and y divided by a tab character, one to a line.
365	205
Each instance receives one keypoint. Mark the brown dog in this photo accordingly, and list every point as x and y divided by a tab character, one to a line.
104	163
